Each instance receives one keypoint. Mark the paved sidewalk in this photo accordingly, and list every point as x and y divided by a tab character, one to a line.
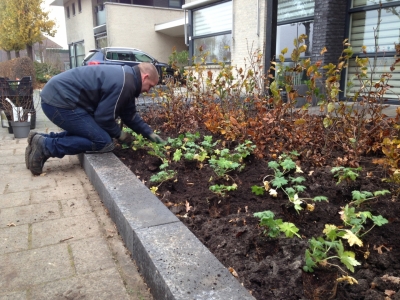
56	238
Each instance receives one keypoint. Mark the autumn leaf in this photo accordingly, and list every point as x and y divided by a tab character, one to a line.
187	206
349	279
352	238
233	272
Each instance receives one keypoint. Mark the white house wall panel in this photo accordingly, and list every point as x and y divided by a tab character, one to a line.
248	28
79	27
134	26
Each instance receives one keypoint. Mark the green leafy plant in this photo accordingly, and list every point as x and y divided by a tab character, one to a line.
321	251
187	147
345	173
360	197
163	176
257	190
291	186
328	248
222	166
221	189
274	227
357	220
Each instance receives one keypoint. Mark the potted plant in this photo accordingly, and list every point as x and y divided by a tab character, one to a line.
18	106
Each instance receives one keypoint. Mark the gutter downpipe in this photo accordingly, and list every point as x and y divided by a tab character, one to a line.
270	35
185	29
258	18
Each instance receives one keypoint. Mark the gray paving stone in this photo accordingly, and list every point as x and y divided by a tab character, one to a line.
17	167
6	152
106	284
29	213
91	254
59	193
14	238
9	144
78	227
13	159
14	199
26	268
14	296
75	207
28	183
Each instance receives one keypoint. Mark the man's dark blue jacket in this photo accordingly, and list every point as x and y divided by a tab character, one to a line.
105	92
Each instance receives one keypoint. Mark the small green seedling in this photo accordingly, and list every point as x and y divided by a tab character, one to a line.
291	186
258	190
222	166
323	249
360	197
276	226
221	190
162	176
345	173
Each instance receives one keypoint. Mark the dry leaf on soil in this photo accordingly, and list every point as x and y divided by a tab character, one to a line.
233	272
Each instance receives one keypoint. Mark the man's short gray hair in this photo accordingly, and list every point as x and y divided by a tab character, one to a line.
149	69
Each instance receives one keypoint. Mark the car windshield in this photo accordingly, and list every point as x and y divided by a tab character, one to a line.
126	56
89	55
143	57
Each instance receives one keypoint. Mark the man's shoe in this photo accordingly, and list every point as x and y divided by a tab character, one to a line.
28	149
37	158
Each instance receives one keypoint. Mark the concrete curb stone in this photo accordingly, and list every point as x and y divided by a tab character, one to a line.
173	262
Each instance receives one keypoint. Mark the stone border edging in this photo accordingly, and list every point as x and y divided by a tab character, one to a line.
173	262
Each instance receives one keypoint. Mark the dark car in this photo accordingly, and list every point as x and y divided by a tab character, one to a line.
127	56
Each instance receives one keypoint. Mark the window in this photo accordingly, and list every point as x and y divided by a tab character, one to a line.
67	12
294	18
73	9
156	3
212	32
76	54
101	40
143	58
377	30
175	3
125	56
79	6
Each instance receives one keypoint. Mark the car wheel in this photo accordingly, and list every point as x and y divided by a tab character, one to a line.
168	78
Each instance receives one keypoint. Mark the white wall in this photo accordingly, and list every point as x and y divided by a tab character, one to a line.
134	26
80	26
248	20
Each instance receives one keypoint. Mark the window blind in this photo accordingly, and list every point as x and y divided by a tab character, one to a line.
358	3
213	19
382	66
292	9
363	34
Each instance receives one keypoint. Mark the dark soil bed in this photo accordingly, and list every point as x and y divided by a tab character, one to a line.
272	268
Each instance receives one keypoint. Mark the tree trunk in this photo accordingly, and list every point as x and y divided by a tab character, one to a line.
29	51
8	55
17	53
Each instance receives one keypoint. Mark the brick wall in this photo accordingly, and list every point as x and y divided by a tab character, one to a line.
329	29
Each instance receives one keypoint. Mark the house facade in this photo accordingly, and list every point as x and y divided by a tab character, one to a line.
230	29
272	25
92	24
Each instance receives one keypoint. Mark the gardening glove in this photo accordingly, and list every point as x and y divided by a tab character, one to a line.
125	138
155	138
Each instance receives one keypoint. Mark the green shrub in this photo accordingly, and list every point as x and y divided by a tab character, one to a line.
45	71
